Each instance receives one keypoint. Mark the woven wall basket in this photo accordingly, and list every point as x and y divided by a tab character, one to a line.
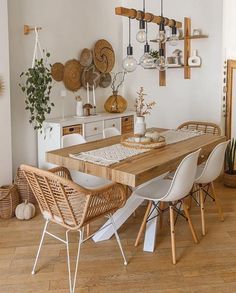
86	57
91	76
72	75
57	71
24	188
9	199
103	56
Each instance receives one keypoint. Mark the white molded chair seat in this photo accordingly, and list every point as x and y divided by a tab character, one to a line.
110	131
171	191
83	179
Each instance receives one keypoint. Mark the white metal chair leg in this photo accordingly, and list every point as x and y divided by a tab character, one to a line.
81	239
73	281
118	239
40	245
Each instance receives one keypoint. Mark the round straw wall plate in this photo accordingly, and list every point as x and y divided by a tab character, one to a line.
57	71
103	56
86	57
72	75
105	80
91	76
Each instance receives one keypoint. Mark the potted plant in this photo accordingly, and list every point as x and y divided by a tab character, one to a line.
142	109
230	172
37	88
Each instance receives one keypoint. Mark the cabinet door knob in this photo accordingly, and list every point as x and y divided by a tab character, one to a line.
113	125
95	128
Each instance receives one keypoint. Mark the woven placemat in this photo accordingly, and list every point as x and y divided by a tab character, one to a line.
72	75
104	56
57	71
91	76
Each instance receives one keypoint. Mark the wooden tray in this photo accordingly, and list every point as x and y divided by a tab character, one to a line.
129	142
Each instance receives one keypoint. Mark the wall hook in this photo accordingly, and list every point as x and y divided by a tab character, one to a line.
28	29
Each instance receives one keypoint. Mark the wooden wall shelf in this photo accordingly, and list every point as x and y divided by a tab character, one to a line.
175	67
183	38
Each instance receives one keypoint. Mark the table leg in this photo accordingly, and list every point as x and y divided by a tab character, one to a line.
119	218
150	234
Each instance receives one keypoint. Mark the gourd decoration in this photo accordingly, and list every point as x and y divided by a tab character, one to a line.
25	211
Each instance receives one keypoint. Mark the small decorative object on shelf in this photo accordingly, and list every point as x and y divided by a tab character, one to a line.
176	59
194	60
116	103
230	172
142	108
87	109
197	32
79	106
25	211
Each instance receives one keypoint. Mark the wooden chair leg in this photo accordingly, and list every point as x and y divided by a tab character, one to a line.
161	206
190	223
172	233
218	205
88	229
142	227
202	212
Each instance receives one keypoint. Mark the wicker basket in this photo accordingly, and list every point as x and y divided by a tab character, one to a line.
24	188
9	199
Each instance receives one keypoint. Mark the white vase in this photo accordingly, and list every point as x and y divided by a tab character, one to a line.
194	60
79	109
140	125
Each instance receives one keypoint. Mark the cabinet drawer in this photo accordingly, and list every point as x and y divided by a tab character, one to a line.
112	123
93	128
72	129
94	137
127	124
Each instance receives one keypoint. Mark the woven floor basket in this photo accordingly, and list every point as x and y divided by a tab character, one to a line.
24	188
9	199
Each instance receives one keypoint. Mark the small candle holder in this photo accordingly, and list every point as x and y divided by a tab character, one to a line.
94	110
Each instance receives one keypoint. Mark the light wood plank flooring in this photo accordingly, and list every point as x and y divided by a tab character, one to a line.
209	266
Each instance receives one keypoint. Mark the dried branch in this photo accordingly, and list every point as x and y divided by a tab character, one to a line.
143	108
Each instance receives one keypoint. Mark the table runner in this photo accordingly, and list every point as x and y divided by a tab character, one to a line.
110	155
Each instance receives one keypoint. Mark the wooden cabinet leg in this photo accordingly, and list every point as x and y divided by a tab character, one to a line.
142	227
190	223
172	233
202	212
218	205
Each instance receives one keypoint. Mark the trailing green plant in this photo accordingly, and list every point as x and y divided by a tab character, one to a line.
37	88
230	157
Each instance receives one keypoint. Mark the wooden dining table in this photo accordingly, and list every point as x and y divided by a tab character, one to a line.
134	171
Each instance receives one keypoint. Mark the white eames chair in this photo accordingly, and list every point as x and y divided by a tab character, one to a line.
110	131
206	174
83	179
172	192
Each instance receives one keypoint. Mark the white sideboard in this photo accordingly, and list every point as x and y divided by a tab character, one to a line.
91	128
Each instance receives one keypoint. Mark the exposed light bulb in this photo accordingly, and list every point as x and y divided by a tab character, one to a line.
129	63
161	36
141	36
147	61
161	62
174	37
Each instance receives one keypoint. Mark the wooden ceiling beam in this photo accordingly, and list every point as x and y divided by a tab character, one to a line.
149	17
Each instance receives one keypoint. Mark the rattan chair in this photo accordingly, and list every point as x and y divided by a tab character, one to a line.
71	206
206	127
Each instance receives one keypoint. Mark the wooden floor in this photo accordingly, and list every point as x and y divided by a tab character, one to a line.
209	266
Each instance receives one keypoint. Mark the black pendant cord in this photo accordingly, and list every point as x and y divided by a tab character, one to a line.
144	6
161	8
129	32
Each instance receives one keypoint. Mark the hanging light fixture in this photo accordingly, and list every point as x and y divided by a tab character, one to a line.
161	62
174	36
129	63
161	37
141	35
147	61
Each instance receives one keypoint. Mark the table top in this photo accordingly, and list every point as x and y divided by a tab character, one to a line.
137	169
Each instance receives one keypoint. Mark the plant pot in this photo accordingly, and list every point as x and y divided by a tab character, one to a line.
230	180
140	126
115	103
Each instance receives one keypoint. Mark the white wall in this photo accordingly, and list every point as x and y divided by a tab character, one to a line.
68	27
182	100
5	116
229	29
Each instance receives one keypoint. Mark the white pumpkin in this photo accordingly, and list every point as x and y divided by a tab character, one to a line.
25	211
